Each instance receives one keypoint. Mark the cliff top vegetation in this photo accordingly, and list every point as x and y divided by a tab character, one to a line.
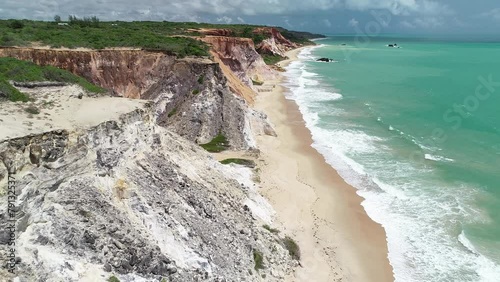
23	71
169	37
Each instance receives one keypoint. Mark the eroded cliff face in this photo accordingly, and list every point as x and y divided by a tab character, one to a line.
240	63
275	44
128	73
193	99
132	199
192	96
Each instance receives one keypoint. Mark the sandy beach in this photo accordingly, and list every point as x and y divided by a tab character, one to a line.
314	205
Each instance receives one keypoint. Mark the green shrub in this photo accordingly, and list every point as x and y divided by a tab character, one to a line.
272	59
258	258
270	229
255	82
32	110
113	279
16	24
24	71
292	247
201	79
218	144
11	92
172	112
245	162
196	92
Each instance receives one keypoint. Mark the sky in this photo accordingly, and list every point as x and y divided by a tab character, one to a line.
322	16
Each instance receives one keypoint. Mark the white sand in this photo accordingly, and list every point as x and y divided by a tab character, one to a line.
314	205
60	109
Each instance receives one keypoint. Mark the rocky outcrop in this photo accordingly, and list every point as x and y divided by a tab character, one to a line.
193	99
275	44
131	199
240	62
36	84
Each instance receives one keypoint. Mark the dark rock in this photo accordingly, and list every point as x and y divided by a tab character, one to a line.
39	84
326	60
35	154
107	267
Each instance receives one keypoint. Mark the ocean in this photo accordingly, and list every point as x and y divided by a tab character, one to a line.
416	130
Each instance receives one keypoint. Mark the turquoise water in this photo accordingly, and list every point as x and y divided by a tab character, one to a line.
417	131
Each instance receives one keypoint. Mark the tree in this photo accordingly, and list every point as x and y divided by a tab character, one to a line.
72	19
57	18
16	24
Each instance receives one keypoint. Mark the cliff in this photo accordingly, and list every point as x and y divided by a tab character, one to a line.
131	195
132	199
127	72
192	96
240	62
275	44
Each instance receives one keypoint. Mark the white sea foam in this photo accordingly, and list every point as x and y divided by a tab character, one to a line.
466	243
419	213
438	158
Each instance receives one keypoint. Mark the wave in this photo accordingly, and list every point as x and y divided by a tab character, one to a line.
438	158
466	243
418	212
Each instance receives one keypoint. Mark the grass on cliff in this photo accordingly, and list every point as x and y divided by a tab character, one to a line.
164	36
270	229
23	71
244	162
218	144
292	247
272	59
258	258
258	83
99	35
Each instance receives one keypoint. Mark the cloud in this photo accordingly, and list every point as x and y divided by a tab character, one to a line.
181	9
401	7
493	14
426	22
327	23
241	20
353	22
225	19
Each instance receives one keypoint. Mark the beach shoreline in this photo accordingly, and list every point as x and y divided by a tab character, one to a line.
313	204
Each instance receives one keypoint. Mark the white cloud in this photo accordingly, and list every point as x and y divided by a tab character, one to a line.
353	22
241	20
225	19
181	9
493	14
401	7
327	23
425	22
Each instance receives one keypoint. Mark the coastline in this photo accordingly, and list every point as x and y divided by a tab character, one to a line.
313	204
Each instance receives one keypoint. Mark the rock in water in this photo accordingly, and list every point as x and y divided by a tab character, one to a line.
326	60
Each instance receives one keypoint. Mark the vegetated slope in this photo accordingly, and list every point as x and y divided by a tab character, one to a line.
147	35
23	71
171	37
